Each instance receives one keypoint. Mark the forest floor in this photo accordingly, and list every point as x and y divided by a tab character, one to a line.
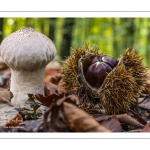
63	113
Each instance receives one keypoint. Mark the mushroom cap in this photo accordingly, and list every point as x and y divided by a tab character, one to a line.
27	49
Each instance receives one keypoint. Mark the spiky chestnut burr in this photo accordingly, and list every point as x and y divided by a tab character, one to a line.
120	86
70	66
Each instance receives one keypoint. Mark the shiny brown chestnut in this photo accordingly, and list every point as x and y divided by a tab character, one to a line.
98	70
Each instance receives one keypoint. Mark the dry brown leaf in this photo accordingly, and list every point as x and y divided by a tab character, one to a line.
6	73
101	117
46	100
60	88
136	130
46	91
7	111
15	121
57	123
3	66
80	121
2	89
51	72
112	123
146	128
72	99
139	118
124	118
144	103
50	88
147	90
32	125
72	91
5	97
56	79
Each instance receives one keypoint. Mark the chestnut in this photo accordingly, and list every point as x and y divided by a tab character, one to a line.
98	70
110	61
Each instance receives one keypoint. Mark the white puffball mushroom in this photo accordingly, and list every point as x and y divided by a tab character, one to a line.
26	52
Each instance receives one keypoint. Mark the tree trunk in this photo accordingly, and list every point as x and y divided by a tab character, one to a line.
129	35
66	37
115	45
1	29
52	24
148	48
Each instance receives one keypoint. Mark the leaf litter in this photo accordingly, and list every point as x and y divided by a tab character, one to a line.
64	114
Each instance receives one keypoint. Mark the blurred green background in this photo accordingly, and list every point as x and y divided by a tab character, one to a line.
110	35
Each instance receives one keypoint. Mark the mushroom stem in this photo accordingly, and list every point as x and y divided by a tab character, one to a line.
27	52
24	82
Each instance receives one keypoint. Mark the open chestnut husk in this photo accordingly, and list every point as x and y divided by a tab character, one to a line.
102	82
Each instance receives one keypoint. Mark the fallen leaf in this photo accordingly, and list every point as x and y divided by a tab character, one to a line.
72	99
7	113
57	122
51	72
45	100
50	88
146	128
72	91
6	73
147	90
5	97
136	130
4	78
123	119
14	122
1	89
112	124
101	117
144	103
60	88
139	118
3	66
56	79
80	121
54	98
56	114
32	125
128	120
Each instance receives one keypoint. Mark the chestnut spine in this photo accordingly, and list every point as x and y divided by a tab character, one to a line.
121	84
